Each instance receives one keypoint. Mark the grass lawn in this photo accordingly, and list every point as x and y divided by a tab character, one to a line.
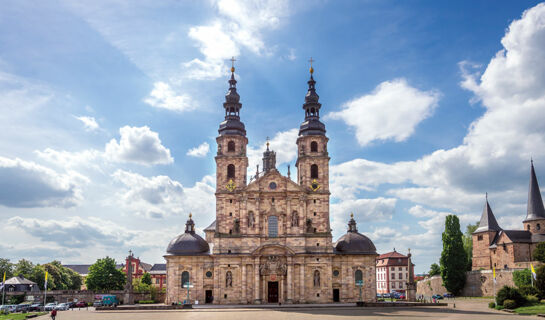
535	309
19	316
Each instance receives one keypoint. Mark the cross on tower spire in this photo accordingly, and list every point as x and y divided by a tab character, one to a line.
233	64
311	68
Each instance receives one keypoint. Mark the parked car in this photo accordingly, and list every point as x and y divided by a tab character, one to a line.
11	308
379	295
448	295
386	295
402	297
97	303
50	306
62	307
23	307
71	304
81	304
437	297
6	308
35	307
395	295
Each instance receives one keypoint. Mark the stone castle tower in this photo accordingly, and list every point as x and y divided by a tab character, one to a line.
271	240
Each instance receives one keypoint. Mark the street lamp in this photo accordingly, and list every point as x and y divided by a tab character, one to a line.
359	283
187	304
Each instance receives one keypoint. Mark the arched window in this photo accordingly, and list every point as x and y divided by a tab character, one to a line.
231	171
314	171
358	276
528	227
538	227
231	146
273	226
185	278
314	146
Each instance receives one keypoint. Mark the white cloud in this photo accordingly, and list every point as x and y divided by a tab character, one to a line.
238	24
138	145
160	196
163	96
199	152
391	112
89	123
27	184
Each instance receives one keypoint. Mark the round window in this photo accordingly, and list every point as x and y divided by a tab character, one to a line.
272	185
209	274
335	273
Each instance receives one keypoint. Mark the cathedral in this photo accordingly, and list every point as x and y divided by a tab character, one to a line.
271	241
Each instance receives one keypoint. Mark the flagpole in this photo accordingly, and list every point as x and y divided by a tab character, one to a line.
45	290
3	287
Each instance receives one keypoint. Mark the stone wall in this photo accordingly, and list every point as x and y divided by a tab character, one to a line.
479	283
82	295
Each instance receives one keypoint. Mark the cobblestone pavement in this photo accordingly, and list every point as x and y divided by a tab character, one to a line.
465	309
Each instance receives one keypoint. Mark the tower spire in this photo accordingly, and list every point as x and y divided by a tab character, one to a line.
232	124
488	220
535	209
312	124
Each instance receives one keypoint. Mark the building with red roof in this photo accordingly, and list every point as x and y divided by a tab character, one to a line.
392	272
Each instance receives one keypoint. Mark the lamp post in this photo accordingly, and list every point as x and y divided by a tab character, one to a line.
187	302
359	283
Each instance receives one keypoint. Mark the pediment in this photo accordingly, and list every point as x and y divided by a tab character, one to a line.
281	183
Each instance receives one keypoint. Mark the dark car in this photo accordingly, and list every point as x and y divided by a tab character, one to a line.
71	304
81	304
36	307
437	296
22	307
448	295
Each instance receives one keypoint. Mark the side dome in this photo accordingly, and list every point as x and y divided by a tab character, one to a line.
188	243
354	242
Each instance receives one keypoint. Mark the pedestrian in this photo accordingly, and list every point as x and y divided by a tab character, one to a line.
53	314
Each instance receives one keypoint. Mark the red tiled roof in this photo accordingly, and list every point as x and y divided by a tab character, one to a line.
393	254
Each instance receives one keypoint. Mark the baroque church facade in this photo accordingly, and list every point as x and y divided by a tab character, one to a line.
494	247
271	241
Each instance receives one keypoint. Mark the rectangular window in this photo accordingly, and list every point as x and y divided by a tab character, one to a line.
273	226
401	276
480	237
157	281
393	275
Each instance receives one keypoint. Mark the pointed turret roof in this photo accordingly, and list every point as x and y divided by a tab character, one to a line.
232	124
535	210
312	124
488	221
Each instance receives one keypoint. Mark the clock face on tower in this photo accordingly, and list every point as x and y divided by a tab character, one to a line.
314	186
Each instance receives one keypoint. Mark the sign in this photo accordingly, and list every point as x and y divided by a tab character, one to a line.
30	298
359	283
273	277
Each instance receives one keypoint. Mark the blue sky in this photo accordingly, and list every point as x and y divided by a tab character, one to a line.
109	113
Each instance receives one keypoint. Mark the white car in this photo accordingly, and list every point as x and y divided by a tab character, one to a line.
62	307
50	306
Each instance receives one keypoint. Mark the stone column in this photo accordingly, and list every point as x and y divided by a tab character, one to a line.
243	284
302	284
290	281
257	300
411	285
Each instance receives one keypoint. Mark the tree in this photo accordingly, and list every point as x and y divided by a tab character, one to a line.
146	278
23	268
104	276
540	280
539	252
522	277
453	257
7	267
468	243
434	269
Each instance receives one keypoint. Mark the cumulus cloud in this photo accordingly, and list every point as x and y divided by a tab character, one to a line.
391	112
160	196
27	184
89	123
138	145
163	96
238	24
200	151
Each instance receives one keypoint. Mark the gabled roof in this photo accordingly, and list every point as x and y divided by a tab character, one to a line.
211	227
393	254
19	280
83	269
145	266
535	209
159	268
488	221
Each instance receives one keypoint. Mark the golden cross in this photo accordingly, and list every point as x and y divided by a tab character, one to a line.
233	62
311	61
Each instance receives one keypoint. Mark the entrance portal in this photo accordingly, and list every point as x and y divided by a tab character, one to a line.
208	296
336	297
272	292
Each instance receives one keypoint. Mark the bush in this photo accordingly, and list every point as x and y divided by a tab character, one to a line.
510	293
532	299
146	301
499	307
491	305
529	291
522	277
509	304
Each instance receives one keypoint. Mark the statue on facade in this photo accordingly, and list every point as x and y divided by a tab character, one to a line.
251	220
294	219
228	279
236	228
309	228
316	278
273	265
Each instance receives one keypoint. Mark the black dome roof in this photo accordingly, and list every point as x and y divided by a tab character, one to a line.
188	243
354	242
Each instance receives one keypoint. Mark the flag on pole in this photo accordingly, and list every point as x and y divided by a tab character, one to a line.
3	281
45	284
533	271
494	274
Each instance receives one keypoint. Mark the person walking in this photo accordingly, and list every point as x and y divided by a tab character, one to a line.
53	314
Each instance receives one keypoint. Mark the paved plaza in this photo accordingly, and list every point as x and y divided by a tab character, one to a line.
465	309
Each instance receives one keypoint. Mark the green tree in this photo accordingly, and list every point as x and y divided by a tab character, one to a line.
104	276
468	243
23	268
140	287
146	278
539	252
540	280
434	269
7	267
453	257
522	277
38	276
